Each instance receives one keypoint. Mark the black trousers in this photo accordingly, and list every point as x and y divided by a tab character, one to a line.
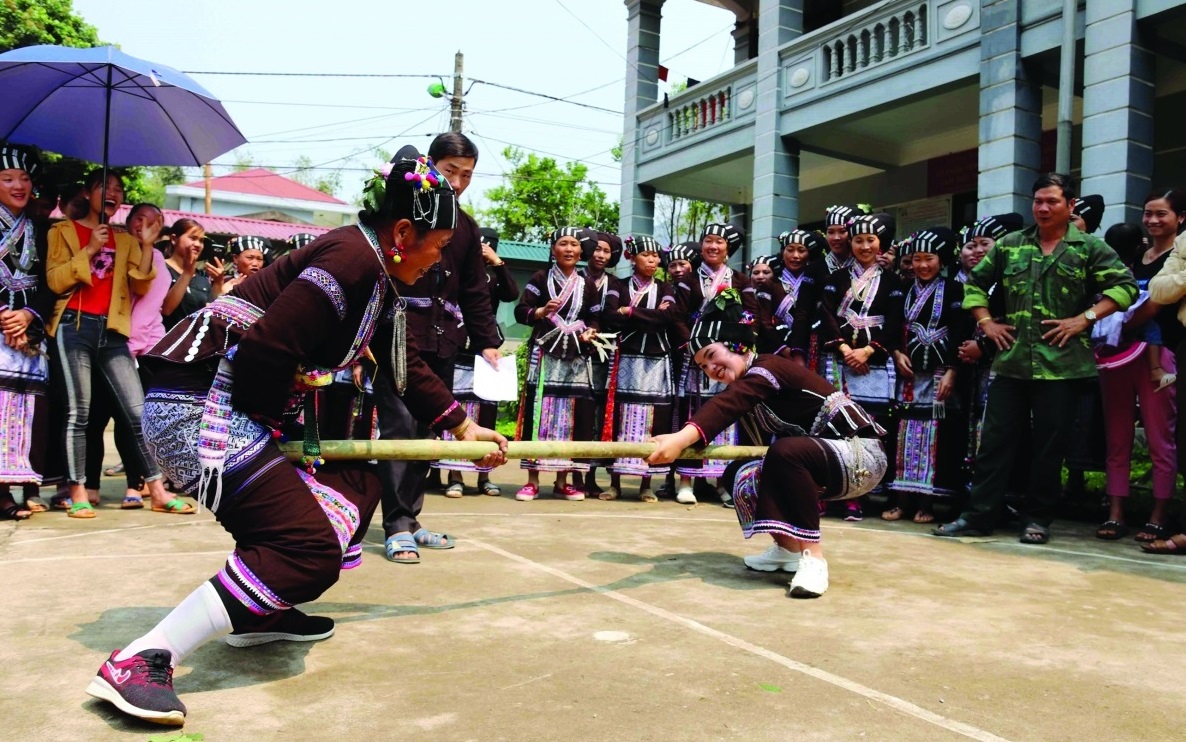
404	482
1047	409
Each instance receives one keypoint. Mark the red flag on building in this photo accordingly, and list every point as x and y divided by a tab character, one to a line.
662	73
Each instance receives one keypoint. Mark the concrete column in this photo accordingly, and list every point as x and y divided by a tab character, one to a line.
1118	75
743	31
776	161
1010	113
637	210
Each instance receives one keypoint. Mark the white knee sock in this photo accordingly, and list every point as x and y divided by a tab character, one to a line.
195	621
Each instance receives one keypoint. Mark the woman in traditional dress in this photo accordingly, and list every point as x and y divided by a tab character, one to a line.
797	309
822	444
641	376
693	295
503	289
95	272
25	302
561	307
861	324
934	324
839	252
248	257
601	252
225	378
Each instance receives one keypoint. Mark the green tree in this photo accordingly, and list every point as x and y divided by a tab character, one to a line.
539	195
147	184
32	22
305	174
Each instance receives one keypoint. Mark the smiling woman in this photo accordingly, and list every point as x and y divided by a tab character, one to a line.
24	303
825	446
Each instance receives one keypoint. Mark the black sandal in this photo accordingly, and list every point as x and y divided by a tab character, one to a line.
1151	532
13	512
1112	530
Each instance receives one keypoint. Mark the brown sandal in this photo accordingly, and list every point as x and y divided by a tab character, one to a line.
1175	545
893	514
924	516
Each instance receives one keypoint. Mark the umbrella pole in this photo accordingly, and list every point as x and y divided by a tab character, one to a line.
106	143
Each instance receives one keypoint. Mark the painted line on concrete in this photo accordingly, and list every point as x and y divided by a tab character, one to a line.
106	530
1006	546
110	556
852	686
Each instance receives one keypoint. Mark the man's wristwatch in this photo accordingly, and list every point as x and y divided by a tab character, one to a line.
1089	315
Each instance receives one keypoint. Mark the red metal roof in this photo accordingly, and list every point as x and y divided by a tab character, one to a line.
262	182
225	225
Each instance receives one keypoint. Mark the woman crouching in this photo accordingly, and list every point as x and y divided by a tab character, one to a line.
226	379
823	446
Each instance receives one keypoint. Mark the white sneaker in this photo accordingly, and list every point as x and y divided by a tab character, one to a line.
685	496
773	559
811	581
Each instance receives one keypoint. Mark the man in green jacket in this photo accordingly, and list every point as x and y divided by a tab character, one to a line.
1050	275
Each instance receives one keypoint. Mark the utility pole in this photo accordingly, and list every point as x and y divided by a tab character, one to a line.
455	107
208	175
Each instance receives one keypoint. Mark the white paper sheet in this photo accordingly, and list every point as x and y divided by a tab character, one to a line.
500	385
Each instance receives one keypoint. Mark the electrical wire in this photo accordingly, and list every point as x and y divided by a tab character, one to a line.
545	95
305	74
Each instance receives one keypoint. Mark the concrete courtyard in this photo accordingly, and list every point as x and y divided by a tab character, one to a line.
615	621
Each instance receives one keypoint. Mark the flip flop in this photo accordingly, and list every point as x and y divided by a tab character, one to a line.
132	503
426	539
82	510
401	543
114	471
455	490
175	507
647	496
15	512
35	505
609	493
60	502
1175	544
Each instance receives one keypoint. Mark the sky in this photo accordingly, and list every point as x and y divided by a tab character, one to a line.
561	48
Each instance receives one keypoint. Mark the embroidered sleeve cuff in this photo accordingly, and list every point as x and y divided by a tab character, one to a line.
442	420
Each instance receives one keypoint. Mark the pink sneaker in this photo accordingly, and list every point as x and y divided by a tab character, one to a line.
528	492
568	492
141	685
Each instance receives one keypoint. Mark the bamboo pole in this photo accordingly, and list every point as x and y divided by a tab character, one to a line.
429	450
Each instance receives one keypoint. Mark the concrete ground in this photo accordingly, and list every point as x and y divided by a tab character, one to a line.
615	621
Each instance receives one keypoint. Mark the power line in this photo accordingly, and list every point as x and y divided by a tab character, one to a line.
319	105
305	74
545	95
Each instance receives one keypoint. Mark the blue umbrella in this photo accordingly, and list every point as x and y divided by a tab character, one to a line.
102	105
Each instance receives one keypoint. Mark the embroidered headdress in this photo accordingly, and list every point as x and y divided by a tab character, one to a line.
689	251
734	237
996	227
1091	210
838	216
410	187
939	241
815	243
642	243
18	157
880	225
723	320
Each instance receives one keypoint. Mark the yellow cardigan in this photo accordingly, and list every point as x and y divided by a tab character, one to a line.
67	265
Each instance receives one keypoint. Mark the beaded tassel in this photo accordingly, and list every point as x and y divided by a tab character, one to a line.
399	360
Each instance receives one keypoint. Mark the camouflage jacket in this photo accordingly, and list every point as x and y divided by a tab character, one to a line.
1039	287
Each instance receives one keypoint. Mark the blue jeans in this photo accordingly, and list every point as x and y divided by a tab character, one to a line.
87	349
